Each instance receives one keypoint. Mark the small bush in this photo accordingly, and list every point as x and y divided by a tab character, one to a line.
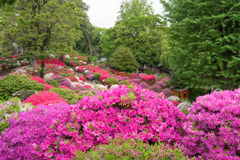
44	98
70	96
143	85
97	76
130	149
156	88
111	80
167	93
123	59
124	82
13	83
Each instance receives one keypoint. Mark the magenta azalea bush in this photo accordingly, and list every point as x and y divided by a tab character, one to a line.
121	112
156	88
27	130
161	84
143	85
167	92
213	126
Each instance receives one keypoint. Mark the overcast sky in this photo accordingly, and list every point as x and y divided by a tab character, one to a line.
103	13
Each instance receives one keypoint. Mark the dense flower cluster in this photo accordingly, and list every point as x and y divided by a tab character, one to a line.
133	113
161	84
38	79
44	98
136	80
82	79
143	85
213	126
148	77
167	92
28	130
52	61
156	88
103	77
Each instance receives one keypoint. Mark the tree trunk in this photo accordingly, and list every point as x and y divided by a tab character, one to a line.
33	61
42	71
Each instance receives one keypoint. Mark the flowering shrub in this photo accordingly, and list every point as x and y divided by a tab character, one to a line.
82	79
167	92
90	76
148	77
161	84
38	79
184	105
134	84
64	87
129	149
44	98
87	86
213	124
73	79
80	69
134	74
103	77
175	103
48	87
28	130
133	113
173	98
52	61
143	85
156	88
136	80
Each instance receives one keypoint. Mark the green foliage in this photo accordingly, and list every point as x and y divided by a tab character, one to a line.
196	92
204	41
147	71
97	76
4	2
52	82
92	58
13	83
70	96
123	59
111	80
3	126
129	149
124	82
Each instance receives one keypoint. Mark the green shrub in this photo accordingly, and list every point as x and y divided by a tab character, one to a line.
111	80
124	82
70	96
13	83
97	76
129	149
147	71
194	93
52	82
123	59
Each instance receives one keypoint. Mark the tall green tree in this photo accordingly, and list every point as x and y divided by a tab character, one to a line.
139	29
42	26
205	42
4	2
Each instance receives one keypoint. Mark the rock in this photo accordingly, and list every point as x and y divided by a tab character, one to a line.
23	94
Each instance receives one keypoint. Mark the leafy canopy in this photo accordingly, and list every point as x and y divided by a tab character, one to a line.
204	39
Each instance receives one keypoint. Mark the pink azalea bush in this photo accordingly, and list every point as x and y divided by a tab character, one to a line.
44	98
38	79
148	77
167	92
129	113
27	130
156	88
213	130
52	61
143	85
48	87
103	77
82	79
161	84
